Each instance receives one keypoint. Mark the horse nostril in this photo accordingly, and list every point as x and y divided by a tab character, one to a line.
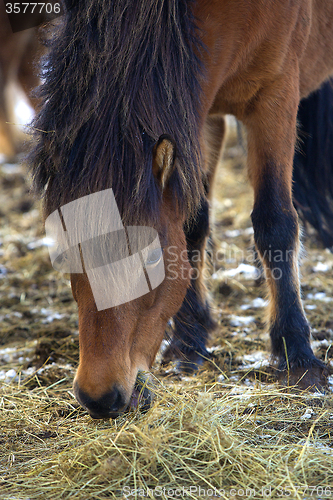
110	405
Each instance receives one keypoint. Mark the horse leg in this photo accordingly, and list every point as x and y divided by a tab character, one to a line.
193	322
28	74
12	55
271	124
7	149
313	162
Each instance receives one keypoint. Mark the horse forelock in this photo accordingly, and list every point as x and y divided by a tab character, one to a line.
120	74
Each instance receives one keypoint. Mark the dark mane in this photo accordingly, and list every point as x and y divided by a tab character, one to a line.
120	73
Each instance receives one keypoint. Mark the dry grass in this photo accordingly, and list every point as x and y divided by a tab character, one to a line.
216	436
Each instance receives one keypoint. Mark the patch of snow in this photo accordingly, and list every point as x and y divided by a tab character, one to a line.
321	267
10	168
232	233
212	349
308	414
241	320
3	271
52	317
247	271
310	307
319	296
256	304
248	231
254	360
17	314
8	376
319	343
43	242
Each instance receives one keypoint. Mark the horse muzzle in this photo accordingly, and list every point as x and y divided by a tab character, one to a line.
115	402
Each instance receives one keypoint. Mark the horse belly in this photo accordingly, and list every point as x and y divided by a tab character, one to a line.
248	46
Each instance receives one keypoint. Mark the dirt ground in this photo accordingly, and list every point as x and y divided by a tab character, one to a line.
38	316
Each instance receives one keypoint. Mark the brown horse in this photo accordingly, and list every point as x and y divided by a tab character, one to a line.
122	74
19	53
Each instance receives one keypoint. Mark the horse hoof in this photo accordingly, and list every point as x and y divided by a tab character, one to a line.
190	366
142	395
313	379
187	362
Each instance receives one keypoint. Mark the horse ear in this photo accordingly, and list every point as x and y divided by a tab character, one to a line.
164	155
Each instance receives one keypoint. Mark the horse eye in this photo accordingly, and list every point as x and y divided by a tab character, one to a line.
154	257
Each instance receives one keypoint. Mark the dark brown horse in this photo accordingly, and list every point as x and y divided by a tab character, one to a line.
134	98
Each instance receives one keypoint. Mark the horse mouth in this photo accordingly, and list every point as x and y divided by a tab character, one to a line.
141	400
112	404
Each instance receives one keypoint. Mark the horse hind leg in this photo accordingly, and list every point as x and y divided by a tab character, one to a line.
193	323
271	125
28	73
7	148
313	162
13	54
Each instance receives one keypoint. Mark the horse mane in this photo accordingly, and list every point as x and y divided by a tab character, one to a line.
118	75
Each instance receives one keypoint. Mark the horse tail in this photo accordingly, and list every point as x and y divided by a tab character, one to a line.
313	162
